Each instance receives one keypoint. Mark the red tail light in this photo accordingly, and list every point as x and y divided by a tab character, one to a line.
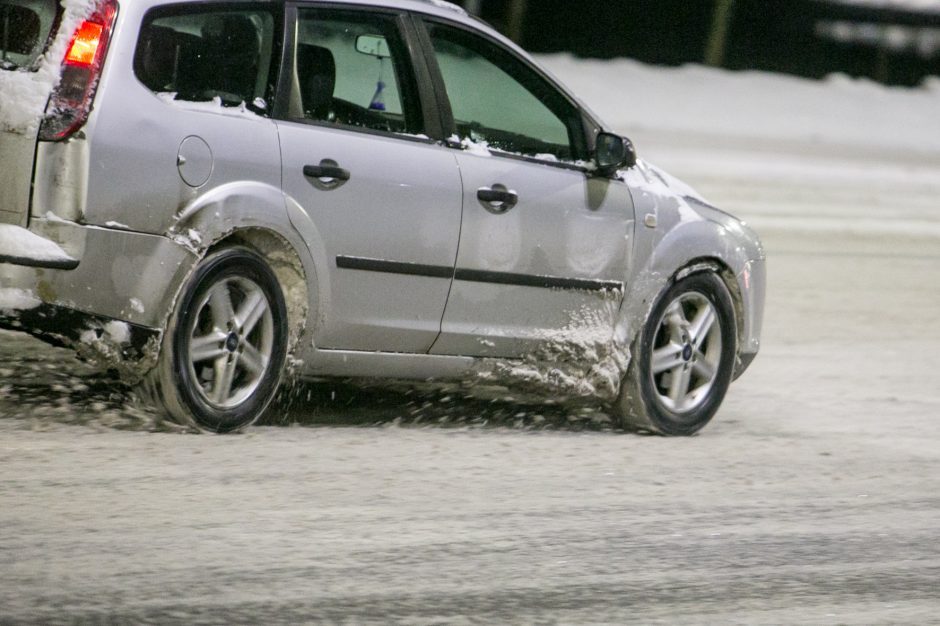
71	101
84	46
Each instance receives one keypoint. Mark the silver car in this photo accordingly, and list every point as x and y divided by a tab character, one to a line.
210	197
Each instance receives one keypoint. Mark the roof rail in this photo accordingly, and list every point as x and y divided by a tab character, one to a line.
449	6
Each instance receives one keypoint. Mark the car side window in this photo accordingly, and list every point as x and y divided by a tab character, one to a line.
207	53
352	69
24	31
499	101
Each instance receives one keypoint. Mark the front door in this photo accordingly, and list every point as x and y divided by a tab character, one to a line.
385	202
544	247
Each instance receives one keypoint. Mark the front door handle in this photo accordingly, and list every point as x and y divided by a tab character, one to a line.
497	199
328	173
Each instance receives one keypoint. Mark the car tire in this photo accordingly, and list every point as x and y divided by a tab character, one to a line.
225	346
683	359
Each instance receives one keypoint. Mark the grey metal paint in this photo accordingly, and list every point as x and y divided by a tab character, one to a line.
122	275
132	137
61	179
565	224
687	232
194	161
361	364
402	203
16	169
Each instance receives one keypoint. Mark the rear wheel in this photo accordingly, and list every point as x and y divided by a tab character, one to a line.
683	359
225	346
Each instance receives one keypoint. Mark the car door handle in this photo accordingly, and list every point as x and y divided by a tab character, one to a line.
497	199
328	172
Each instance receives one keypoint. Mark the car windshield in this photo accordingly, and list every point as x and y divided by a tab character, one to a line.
25	26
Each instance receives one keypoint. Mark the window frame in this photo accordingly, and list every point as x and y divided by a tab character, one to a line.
414	61
194	8
583	151
42	46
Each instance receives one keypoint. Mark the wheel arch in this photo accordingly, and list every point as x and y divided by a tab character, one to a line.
254	215
720	268
696	246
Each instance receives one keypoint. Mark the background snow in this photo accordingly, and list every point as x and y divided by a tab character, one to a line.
631	96
930	6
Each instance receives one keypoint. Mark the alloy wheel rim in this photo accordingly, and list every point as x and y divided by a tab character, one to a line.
231	342
686	354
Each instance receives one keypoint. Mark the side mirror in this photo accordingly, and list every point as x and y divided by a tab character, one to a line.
614	152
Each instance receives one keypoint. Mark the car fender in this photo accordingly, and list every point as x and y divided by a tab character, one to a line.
252	206
677	230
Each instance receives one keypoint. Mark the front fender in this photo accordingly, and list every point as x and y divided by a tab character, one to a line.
676	229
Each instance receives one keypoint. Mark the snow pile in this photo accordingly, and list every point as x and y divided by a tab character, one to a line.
215	105
631	97
17	300
448	6
17	242
23	93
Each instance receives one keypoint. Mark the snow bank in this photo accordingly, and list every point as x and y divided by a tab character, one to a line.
926	6
23	93
631	96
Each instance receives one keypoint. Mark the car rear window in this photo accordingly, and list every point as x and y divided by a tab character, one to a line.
25	27
207	53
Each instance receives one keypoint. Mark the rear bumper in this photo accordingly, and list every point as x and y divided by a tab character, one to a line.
120	280
752	282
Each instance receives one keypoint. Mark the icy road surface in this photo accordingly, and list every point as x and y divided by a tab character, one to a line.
814	497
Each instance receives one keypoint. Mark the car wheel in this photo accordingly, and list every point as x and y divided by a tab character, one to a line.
683	359
225	346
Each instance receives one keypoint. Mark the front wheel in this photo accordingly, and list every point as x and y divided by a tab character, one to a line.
683	359
225	346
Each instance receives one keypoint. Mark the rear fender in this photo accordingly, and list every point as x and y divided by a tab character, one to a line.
256	214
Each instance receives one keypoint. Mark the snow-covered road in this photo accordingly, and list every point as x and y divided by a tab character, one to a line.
812	499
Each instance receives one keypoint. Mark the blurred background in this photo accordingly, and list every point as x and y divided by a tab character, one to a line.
895	42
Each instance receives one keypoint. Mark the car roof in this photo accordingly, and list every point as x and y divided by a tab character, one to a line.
441	8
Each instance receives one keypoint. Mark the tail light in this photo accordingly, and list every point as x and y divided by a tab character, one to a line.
71	101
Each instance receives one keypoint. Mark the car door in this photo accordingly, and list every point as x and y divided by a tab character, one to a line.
544	246
383	198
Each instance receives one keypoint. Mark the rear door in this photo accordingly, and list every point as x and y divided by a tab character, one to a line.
25	29
384	199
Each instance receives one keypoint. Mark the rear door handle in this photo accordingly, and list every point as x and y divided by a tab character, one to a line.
497	199
328	172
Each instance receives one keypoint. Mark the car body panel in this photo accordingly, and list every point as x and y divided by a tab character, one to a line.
16	173
122	275
401	205
566	227
399	262
687	230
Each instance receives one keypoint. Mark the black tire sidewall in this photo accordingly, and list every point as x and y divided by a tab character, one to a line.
230	262
661	418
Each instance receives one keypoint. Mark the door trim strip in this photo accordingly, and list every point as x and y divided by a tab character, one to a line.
476	276
393	267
